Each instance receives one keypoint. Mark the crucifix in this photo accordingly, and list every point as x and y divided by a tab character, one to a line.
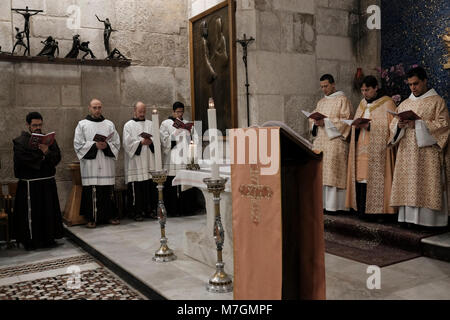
255	192
27	13
244	43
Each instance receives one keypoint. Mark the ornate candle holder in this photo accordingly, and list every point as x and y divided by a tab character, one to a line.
192	166
164	253
220	282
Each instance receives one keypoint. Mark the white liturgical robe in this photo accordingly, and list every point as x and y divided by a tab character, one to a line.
175	157
99	171
139	159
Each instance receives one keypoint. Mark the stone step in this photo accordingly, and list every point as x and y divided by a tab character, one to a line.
437	247
431	242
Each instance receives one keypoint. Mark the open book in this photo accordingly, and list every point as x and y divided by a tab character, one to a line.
356	122
315	116
101	138
37	139
146	135
405	115
177	123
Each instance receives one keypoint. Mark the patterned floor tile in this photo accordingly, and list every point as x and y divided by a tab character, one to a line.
97	284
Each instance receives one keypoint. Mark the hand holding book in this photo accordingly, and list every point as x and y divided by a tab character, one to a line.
177	123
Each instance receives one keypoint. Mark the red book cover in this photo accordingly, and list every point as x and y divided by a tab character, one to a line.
37	139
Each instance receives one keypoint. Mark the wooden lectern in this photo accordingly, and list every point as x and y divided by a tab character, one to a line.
279	246
72	210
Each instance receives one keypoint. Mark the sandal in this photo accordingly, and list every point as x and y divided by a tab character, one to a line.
114	221
91	225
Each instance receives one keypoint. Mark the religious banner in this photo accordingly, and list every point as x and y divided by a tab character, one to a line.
278	231
213	66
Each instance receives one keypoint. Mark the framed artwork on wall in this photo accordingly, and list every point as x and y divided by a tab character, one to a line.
212	53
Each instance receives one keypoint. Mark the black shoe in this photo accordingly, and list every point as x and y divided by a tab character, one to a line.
29	246
50	244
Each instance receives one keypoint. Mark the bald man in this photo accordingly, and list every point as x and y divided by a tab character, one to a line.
139	161
97	145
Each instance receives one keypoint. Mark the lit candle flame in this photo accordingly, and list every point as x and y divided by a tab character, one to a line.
211	103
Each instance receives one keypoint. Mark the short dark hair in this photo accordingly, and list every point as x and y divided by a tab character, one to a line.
418	72
369	81
328	77
177	105
33	115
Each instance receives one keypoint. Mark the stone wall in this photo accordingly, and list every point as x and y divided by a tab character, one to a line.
297	42
153	33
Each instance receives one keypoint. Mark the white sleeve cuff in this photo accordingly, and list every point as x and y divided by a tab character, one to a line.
423	136
331	130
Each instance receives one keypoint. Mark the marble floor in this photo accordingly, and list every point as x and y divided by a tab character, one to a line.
132	244
65	272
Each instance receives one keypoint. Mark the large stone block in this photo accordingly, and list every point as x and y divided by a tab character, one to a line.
270	30
151	85
246	5
6	41
126	12
284	74
47	73
154	49
322	3
12	123
102	83
332	22
161	16
103	8
60	8
334	48
304	6
70	119
182	85
287	31
327	66
293	112
246	23
32	4
44	26
5	10
263	5
348	5
7	93
37	95
270	107
304	33
71	95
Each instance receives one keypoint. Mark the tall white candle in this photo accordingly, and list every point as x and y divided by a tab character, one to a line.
215	170
212	130
192	151
156	140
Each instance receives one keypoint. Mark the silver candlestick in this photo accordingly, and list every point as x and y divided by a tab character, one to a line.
220	282
164	253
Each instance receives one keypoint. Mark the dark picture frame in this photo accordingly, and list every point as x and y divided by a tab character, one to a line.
212	51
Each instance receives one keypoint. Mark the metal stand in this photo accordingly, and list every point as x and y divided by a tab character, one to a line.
164	253
220	282
245	42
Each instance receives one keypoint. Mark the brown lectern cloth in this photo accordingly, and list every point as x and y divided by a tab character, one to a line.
258	247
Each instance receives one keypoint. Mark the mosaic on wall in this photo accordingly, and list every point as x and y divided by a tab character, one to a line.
412	33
